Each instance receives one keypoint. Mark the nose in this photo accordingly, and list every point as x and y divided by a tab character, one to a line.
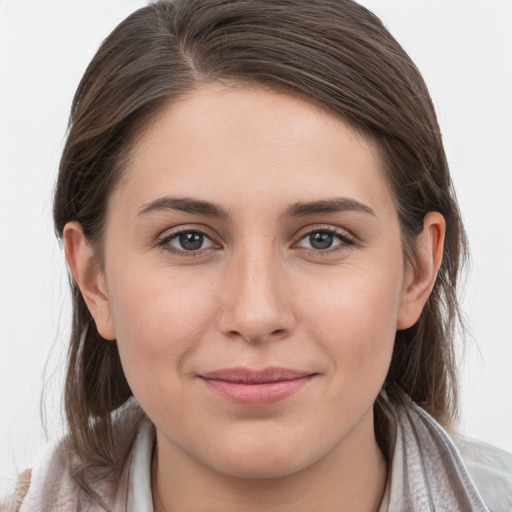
255	299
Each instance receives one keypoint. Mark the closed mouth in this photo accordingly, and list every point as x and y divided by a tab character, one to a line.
240	375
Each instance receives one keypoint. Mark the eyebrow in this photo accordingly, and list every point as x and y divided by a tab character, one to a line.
341	204
299	209
184	204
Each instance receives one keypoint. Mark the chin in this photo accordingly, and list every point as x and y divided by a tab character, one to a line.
264	459
262	467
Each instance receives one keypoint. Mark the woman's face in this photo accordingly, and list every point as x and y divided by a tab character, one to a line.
255	281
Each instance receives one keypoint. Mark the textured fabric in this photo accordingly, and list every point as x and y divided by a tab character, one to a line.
53	488
428	471
139	493
491	469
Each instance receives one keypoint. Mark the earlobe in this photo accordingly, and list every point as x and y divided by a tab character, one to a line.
421	276
88	276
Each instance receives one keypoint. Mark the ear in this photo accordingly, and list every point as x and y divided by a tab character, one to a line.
421	275
88	276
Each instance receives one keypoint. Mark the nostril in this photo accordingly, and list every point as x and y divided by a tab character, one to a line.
259	336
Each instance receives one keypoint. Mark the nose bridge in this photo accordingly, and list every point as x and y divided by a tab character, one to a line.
255	304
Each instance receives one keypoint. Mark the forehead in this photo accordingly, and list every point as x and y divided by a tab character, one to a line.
246	143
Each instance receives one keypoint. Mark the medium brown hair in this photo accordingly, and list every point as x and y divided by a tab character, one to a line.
335	53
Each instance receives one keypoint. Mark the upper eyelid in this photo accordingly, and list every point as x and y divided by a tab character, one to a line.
307	230
193	228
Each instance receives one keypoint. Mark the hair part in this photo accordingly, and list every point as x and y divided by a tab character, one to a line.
334	53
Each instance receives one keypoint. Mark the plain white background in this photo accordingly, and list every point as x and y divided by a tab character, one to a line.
462	47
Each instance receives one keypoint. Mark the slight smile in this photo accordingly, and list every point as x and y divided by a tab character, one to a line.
250	387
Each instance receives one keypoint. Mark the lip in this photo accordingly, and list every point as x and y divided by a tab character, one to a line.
256	388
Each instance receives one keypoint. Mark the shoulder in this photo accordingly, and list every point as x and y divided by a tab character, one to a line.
49	485
491	470
36	488
13	501
447	470
53	486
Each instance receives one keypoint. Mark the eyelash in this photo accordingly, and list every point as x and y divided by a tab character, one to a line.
164	243
346	241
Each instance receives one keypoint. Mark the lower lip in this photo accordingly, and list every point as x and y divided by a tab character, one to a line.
257	394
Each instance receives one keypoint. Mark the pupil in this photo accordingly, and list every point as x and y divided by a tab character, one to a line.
321	240
191	241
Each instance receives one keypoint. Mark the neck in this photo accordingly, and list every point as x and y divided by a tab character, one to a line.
350	477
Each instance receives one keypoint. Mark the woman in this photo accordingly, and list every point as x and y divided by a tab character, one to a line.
256	209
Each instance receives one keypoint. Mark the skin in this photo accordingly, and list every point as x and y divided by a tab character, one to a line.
257	293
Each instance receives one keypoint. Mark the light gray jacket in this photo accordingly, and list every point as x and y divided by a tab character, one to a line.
429	471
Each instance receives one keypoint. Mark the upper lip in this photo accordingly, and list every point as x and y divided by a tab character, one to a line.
251	376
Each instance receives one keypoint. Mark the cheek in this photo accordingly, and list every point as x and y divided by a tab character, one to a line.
354	318
158	321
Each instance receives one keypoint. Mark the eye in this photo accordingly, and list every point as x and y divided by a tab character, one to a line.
187	241
324	239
